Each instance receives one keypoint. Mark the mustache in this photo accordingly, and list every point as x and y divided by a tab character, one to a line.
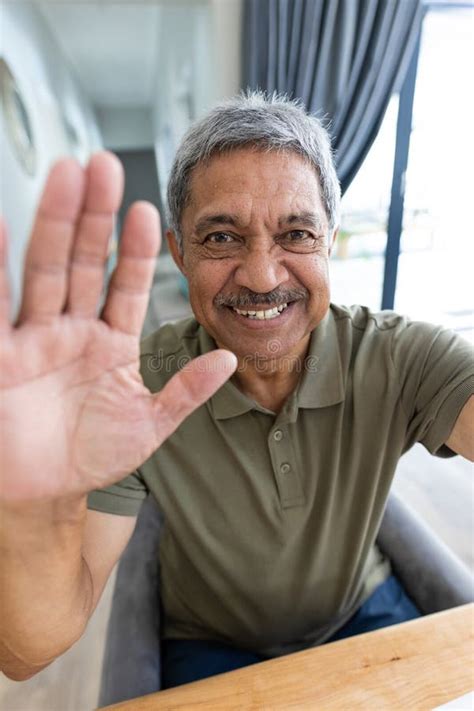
252	298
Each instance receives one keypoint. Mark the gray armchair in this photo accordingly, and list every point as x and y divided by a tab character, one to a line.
434	578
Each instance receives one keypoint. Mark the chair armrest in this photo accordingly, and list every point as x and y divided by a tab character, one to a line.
131	665
432	575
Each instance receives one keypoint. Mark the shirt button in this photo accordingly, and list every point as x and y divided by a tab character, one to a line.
278	435
285	468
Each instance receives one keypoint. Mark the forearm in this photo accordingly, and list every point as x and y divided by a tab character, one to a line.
45	585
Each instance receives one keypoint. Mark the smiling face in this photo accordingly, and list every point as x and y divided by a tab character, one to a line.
255	251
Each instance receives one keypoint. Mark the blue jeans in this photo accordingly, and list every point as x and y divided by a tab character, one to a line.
185	660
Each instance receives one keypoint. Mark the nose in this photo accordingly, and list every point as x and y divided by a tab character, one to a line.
260	270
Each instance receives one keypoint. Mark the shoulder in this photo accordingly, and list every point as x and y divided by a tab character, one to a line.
366	334
171	337
167	350
361	318
397	338
384	325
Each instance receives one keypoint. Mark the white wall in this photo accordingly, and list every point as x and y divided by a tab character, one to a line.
182	56
199	48
52	98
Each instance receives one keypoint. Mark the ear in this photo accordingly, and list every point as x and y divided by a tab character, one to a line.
332	240
176	253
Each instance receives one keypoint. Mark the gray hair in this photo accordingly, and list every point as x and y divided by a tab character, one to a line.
270	122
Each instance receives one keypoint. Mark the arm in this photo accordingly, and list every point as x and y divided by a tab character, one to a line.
55	564
461	439
75	415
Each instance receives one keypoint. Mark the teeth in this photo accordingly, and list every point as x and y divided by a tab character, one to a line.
263	315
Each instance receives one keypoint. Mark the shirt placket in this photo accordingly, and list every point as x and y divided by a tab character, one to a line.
283	458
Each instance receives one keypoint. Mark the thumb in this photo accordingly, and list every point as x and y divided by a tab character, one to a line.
190	388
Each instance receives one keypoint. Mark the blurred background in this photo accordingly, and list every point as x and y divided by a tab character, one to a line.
393	81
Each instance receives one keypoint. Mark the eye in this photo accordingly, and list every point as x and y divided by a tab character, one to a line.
299	241
219	238
298	235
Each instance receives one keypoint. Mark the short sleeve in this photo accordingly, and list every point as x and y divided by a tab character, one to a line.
435	370
124	498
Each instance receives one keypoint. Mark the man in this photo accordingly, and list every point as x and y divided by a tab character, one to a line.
273	486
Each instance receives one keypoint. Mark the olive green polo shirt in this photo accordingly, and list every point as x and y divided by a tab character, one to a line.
270	519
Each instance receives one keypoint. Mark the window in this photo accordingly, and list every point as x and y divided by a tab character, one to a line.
357	264
437	247
434	281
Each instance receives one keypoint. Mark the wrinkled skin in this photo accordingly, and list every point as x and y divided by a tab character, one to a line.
262	251
74	412
256	236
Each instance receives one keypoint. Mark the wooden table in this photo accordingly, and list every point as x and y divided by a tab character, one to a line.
415	665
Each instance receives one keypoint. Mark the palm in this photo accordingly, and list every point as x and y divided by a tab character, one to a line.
74	412
81	390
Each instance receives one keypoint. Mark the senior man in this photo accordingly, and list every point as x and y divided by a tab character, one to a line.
274	485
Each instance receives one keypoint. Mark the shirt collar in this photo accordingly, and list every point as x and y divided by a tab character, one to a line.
321	382
228	401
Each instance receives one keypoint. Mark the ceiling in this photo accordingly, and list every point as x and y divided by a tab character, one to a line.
113	46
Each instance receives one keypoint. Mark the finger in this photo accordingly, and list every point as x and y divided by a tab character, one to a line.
4	286
47	257
104	190
191	387
129	289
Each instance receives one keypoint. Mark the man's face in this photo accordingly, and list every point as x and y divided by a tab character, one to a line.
255	237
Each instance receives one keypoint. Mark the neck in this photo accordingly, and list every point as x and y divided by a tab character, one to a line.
270	381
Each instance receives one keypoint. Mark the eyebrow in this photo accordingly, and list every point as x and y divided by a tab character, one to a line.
306	219
209	221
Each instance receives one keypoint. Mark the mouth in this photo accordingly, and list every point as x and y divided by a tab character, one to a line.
268	314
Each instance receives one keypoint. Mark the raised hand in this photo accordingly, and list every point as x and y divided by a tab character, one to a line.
74	413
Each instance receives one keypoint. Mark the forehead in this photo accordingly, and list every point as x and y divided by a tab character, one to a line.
249	180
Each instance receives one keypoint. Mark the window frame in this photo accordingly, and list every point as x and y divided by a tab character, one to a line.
400	163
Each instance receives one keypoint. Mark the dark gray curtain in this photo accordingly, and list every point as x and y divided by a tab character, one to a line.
342	58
